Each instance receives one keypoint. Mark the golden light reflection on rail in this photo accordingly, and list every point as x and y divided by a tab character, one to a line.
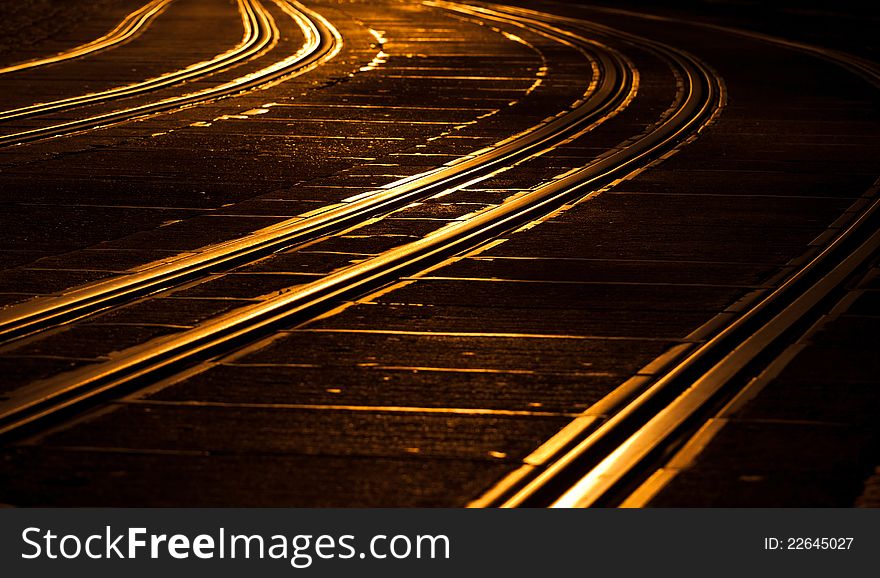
249	45
131	26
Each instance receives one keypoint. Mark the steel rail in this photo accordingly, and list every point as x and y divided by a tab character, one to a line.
129	28
258	33
148	362
674	423
599	466
611	92
321	44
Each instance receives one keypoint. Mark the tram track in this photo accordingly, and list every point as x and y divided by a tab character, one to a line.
608	451
130	27
614	453
259	32
322	42
702	98
478	329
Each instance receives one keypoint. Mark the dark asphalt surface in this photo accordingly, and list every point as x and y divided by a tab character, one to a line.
428	391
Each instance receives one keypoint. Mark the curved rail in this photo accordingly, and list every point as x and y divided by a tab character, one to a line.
258	33
597	465
322	43
711	373
129	28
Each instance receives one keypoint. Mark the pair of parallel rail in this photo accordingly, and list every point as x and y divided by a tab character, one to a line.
261	34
